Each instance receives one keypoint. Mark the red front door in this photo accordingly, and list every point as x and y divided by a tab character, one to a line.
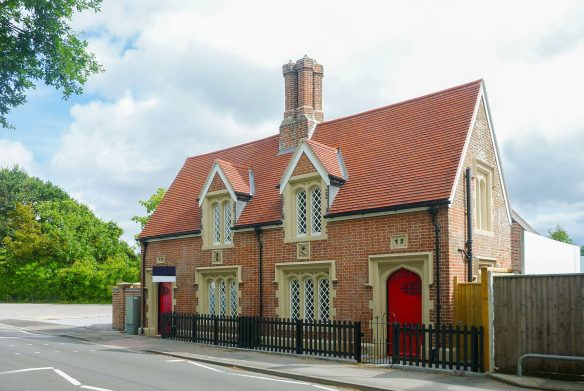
164	300
404	305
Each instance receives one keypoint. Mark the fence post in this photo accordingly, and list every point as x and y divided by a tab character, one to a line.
358	341
194	339
395	345
299	337
215	330
474	363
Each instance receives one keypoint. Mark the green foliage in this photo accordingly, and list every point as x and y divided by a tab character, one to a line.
54	248
560	234
150	204
37	43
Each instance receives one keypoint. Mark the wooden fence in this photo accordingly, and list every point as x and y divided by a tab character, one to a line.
538	314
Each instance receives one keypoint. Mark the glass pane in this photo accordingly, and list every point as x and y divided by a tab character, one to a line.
233	298
227	227
323	299
294	300
212	297
308	299
301	213
216	224
315	206
222	299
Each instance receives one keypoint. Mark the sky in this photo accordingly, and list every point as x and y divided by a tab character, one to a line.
188	77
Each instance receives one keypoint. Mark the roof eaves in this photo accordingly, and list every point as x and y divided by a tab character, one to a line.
421	204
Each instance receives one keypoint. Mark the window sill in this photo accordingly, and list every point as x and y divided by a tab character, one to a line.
484	233
218	246
305	238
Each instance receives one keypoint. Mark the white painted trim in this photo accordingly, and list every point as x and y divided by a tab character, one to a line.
342	166
497	154
163	278
172	238
376	214
465	148
216	170
303	148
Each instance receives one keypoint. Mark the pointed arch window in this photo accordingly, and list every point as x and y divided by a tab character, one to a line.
483	197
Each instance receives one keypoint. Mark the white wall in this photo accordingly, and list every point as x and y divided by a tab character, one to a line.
547	256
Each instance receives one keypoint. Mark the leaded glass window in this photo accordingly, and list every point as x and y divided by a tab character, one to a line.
301	213
222	298
227	222
323	299
233	297
212	297
294	299
216	224
309	299
315	213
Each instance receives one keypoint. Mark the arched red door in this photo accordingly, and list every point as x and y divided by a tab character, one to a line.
164	300
404	305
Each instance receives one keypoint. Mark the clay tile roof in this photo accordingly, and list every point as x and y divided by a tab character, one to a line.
328	156
237	175
403	154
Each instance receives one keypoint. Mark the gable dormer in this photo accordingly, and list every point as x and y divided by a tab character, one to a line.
226	192
309	186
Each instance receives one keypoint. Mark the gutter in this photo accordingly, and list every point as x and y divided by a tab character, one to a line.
257	225
144	244
390	208
434	213
258	232
171	235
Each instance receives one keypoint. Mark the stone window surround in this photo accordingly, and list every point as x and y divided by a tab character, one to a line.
221	197
285	271
152	303
483	172
305	182
203	276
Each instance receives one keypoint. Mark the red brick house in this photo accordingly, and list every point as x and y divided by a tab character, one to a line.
345	219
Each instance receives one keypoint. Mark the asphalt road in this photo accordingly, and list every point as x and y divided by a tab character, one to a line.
30	361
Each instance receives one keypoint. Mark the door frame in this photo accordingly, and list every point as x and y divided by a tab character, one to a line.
151	324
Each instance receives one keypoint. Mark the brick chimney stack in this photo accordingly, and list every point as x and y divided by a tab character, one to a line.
303	103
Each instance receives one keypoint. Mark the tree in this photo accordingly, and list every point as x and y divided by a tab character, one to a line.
560	234
150	204
37	43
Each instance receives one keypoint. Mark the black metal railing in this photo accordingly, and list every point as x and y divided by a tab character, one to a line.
447	347
341	339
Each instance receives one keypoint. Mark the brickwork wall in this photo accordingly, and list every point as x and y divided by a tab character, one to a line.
349	243
304	166
496	245
516	246
217	184
119	294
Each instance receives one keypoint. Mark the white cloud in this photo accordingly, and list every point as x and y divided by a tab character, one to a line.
15	153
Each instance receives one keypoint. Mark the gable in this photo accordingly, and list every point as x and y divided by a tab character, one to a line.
304	166
217	184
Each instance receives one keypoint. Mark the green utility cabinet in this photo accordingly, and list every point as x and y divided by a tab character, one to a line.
132	314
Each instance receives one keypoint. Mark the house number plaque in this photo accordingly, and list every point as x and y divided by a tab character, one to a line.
399	241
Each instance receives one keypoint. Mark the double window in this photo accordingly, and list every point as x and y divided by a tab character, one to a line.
309	212
222	213
309	297
222	296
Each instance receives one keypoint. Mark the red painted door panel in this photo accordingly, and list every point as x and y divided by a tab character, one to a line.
404	305
164	300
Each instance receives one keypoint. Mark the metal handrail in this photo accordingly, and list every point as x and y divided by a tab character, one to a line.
547	356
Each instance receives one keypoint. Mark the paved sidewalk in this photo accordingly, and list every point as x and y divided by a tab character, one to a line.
330	372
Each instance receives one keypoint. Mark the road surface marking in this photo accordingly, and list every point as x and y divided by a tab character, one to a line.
57	351
325	388
204	366
28	344
45	344
9	337
95	388
59	372
178	360
37	352
75	351
25	370
11	346
17	353
269	378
